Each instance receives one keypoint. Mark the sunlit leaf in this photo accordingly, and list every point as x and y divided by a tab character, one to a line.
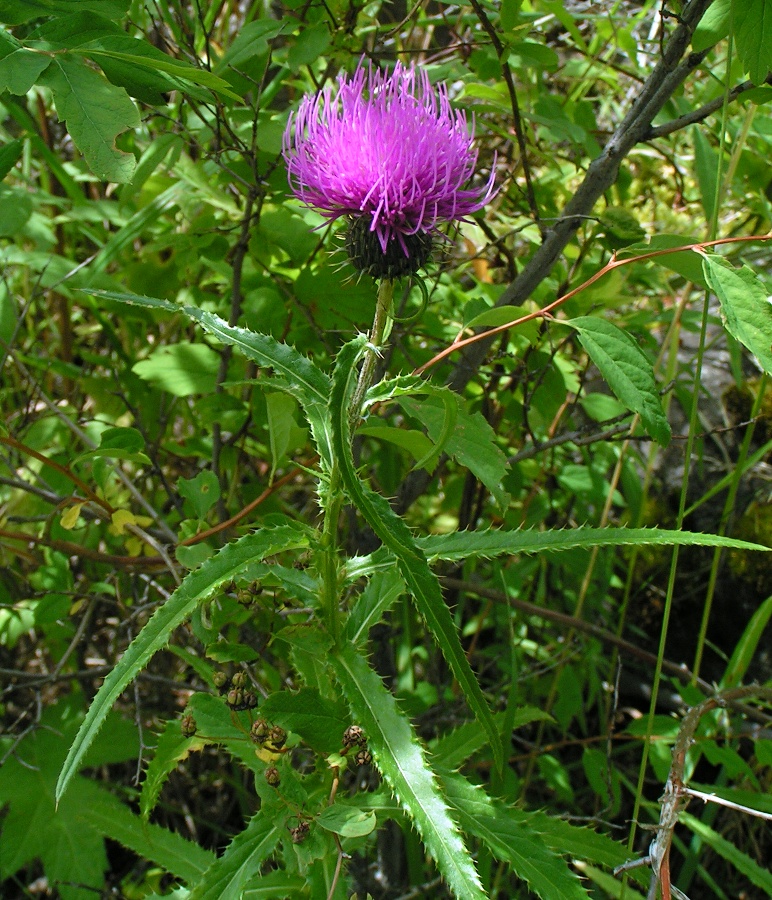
95	112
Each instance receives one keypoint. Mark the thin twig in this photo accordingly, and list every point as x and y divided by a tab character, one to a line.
714	798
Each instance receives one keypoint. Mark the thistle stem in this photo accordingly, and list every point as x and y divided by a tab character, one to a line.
332	495
330	568
382	310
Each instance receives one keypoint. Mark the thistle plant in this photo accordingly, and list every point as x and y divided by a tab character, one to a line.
390	155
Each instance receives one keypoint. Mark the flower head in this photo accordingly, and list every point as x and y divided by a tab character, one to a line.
391	154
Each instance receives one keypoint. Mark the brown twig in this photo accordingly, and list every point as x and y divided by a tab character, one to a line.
545	312
676	796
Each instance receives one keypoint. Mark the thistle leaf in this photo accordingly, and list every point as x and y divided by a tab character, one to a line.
462	545
402	762
195	589
513	840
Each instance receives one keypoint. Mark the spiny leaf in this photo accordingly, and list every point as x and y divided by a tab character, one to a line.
298	376
402	762
195	589
512	839
452	749
489	543
243	858
762	878
172	747
167	849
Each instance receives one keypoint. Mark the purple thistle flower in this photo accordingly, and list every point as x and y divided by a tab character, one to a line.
389	152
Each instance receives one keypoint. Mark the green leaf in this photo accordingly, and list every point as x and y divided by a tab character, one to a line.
489	543
280	410
215	724
320	722
196	588
95	112
618	890
627	371
251	41
15	210
347	821
620	226
509	837
745	307
275	886
465	436
453	749
74	30
402	762
15	12
135	299
752	20
172	748
581	842
707	168
299	376
10	154
395	534
415	442
182	369
309	45
297	370
20	68
243	857
761	877
382	591
745	649
471	440
713	26
69	847
687	264
145	56
527	54
201	492
172	852
119	443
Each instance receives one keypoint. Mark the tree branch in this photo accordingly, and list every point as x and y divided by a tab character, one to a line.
699	115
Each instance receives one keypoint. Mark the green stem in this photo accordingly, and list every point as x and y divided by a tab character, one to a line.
330	569
331	493
382	310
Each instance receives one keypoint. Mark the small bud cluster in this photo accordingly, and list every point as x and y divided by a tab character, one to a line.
274	736
300	832
188	725
235	690
354	738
